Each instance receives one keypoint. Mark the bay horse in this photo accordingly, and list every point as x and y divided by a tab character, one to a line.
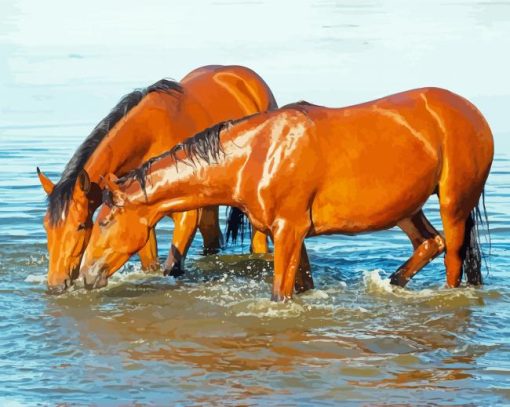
146	123
306	170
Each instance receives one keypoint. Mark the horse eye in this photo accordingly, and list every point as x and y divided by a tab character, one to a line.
103	222
81	226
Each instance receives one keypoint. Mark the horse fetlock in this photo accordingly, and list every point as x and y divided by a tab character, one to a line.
400	277
173	269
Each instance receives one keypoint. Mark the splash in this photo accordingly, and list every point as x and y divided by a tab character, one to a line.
374	283
378	286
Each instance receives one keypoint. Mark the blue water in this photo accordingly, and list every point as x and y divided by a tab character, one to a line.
213	337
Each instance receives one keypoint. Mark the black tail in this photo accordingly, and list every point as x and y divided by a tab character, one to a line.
236	223
471	250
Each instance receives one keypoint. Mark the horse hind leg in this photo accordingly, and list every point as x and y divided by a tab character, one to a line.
462	249
304	279
209	227
427	244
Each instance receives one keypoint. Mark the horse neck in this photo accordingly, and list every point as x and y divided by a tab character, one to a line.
181	186
133	139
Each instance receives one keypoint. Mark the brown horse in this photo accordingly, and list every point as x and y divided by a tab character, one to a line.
306	170
145	123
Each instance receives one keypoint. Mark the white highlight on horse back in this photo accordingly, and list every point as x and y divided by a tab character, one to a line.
445	167
436	117
398	118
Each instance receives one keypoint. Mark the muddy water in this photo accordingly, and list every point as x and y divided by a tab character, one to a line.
213	337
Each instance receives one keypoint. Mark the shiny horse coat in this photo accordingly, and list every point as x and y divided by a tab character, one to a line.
146	123
306	170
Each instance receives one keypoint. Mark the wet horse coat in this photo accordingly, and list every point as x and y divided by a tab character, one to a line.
307	170
146	123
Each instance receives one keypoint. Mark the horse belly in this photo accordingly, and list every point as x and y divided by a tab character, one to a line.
374	193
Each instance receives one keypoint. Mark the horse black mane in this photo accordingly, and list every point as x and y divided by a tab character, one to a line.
58	200
205	146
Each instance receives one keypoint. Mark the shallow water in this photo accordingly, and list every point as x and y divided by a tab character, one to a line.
213	337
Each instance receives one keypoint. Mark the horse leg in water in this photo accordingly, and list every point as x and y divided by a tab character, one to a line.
185	227
304	280
303	277
149	253
462	249
427	244
209	227
288	237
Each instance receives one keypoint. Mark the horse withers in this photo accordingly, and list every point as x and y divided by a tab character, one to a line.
306	170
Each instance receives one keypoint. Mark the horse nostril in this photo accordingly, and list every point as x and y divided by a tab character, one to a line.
90	277
57	289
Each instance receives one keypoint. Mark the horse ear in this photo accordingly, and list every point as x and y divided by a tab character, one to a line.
89	189
46	183
83	181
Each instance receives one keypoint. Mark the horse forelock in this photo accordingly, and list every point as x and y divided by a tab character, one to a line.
58	200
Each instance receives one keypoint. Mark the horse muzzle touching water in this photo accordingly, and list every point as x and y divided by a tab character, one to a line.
361	168
95	276
145	123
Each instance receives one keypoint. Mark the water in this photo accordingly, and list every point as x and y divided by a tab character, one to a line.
213	337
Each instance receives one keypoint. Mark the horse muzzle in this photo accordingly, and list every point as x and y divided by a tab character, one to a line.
58	289
94	276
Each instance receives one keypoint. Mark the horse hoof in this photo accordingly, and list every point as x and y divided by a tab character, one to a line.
210	250
280	298
398	279
175	271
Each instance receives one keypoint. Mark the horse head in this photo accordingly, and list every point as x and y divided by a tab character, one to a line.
68	224
120	230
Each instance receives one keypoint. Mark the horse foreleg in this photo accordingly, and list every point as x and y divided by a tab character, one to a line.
149	253
259	242
288	243
427	244
185	227
210	230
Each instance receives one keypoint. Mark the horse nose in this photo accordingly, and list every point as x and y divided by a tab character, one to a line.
93	277
58	289
89	278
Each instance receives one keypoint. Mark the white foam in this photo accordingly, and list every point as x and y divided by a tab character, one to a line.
265	308
315	294
36	278
375	284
